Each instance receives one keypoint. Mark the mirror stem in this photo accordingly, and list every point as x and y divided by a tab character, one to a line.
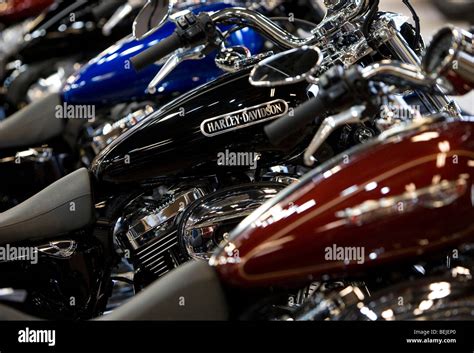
353	115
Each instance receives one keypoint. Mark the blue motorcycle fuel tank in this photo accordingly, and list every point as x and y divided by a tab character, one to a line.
109	78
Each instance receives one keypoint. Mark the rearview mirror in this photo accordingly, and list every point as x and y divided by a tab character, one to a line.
151	17
291	66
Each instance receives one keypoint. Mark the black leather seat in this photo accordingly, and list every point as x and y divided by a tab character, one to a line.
62	207
190	292
32	125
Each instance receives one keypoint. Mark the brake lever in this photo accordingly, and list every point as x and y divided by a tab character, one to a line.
350	116
409	75
172	62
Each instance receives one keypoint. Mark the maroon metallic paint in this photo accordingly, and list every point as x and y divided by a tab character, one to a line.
397	198
12	11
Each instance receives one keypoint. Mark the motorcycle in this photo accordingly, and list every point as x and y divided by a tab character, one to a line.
140	188
97	22
407	211
39	54
108	92
282	245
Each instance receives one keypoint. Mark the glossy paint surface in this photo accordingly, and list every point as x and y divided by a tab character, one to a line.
16	10
170	143
52	282
54	34
109	78
397	199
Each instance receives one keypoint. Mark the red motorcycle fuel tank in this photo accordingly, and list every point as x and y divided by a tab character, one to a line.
16	10
388	201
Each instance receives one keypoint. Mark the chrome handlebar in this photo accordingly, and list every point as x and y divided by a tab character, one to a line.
251	18
411	74
237	15
329	24
408	74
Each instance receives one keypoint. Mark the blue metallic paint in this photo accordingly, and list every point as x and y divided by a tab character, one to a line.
109	78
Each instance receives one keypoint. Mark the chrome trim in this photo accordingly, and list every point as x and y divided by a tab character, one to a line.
334	18
332	22
352	115
62	249
408	72
261	23
166	8
448	297
203	226
289	80
172	62
107	133
137	234
323	305
232	59
401	48
461	41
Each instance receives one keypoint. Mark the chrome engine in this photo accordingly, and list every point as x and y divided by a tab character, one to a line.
106	133
439	289
158	233
208	222
146	234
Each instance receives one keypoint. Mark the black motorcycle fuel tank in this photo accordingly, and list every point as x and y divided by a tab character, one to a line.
186	136
67	25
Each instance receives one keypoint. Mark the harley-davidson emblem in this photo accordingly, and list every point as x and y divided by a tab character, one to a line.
244	118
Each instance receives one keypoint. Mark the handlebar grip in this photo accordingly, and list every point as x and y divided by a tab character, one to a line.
285	126
156	52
